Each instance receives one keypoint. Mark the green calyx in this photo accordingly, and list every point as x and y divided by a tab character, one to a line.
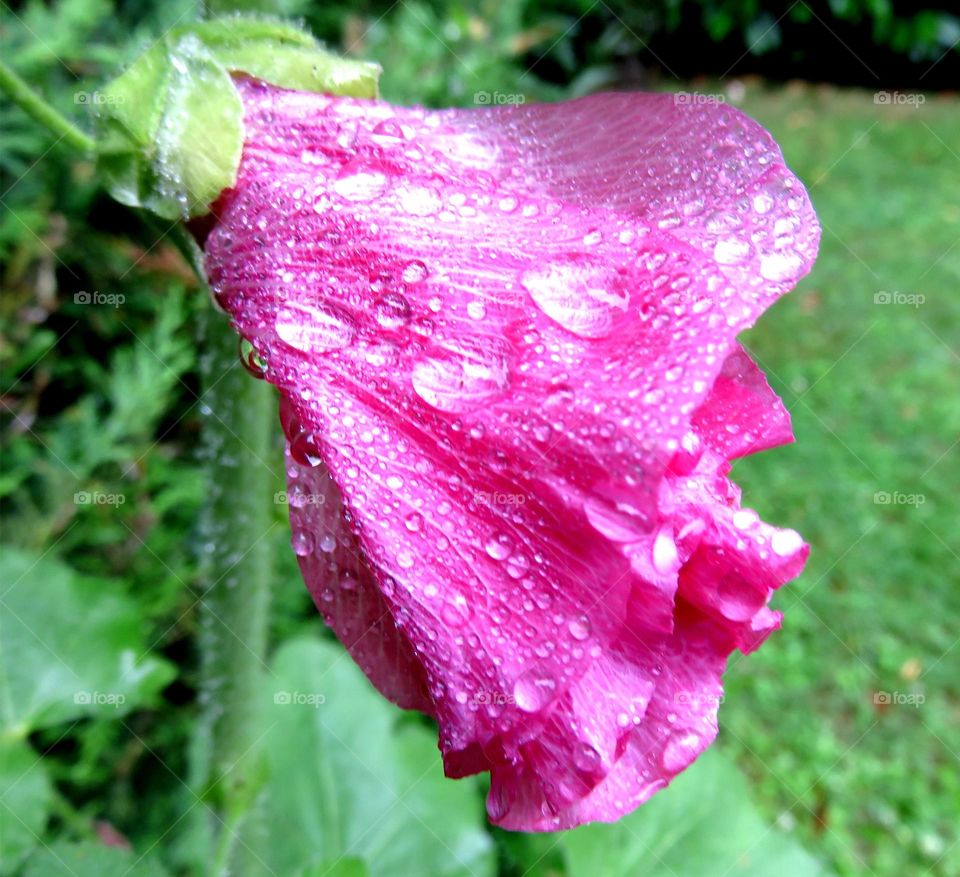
170	127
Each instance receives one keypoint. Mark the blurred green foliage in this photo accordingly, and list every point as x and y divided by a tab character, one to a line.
101	401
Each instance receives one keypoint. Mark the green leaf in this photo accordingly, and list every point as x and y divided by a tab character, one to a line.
91	860
25	795
70	647
701	826
345	867
171	126
350	775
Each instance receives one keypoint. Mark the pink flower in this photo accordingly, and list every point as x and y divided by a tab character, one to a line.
505	337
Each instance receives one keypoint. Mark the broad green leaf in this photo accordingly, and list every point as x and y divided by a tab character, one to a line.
70	646
25	794
703	825
91	859
345	867
352	776
171	126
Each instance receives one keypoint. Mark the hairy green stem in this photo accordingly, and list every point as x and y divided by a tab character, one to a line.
240	456
26	98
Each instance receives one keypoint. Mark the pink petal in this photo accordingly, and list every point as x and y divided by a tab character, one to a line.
509	335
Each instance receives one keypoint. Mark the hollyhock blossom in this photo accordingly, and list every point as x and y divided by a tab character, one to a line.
505	344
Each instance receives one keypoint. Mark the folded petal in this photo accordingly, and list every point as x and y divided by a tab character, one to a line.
509	337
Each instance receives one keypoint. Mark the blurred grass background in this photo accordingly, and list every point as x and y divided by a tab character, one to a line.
846	723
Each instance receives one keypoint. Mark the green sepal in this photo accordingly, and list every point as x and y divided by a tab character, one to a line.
171	126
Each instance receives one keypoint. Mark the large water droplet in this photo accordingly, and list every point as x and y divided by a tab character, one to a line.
679	751
304	449
392	311
414	272
786	542
313	329
461	375
302	543
580	296
781	266
255	364
360	185
499	546
533	690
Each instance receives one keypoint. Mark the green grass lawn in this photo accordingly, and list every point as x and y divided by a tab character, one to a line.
873	390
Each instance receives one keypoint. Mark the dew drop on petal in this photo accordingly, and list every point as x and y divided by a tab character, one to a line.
313	329
498	546
413	272
303	449
577	296
533	690
786	542
461	375
360	185
679	751
302	543
781	267
580	628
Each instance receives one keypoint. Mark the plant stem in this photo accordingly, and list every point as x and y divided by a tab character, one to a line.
25	97
239	451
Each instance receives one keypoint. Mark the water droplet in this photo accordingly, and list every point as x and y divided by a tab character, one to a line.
328	543
680	750
394	482
360	185
476	310
732	251
392	311
586	759
499	546
580	628
304	449
419	200
786	542
255	364
744	519
414	272
665	558
533	690
413	522
313	329
582	297
457	611
302	543
405	558
461	374
779	267
387	133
